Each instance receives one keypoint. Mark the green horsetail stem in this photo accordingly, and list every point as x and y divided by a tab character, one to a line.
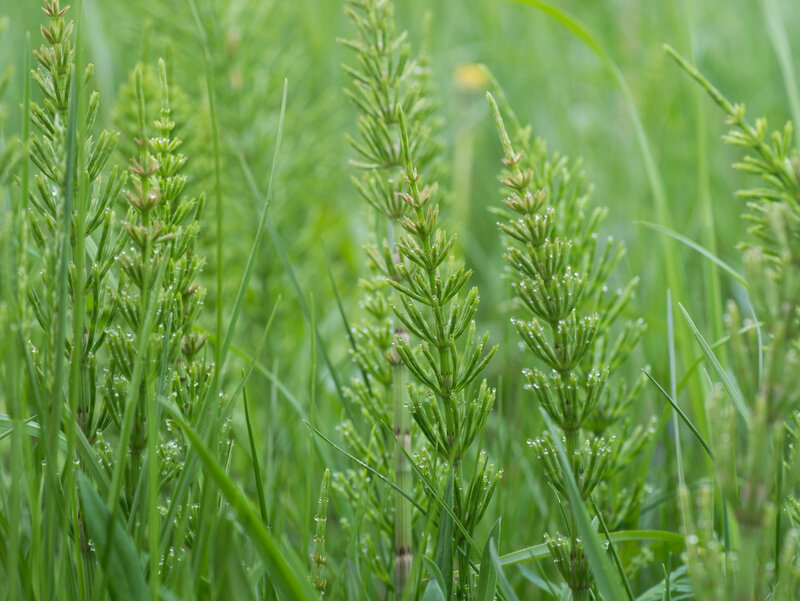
318	558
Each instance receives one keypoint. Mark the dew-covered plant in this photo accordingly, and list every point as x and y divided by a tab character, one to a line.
576	329
70	178
158	265
755	552
417	292
384	76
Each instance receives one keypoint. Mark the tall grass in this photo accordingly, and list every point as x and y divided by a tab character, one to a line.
243	353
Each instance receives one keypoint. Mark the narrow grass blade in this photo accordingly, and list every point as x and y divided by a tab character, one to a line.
444	543
694	246
613	549
348	331
282	574
217	156
368	468
287	265
262	500
681	414
501	577
274	380
651	168
729	385
227	409
433	590
783	51
123	571
601	567
487	577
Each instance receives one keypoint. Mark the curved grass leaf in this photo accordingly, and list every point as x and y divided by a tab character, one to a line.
602	569
540	551
115	548
433	591
444	543
487	577
729	385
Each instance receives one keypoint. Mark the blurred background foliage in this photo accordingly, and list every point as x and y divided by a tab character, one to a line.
550	78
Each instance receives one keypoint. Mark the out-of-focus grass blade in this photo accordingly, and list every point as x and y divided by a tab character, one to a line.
695	246
115	548
540	551
368	468
251	258
262	500
783	50
651	168
273	378
352	414
208	69
729	385
282	574
681	414
716	344
227	409
675	586
601	567
343	314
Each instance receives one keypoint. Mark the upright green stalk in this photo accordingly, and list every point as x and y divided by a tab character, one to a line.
450	413
385	76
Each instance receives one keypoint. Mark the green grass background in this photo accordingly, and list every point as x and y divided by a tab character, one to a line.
551	79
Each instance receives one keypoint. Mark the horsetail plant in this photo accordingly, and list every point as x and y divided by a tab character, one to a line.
450	412
159	267
89	200
384	77
318	559
758	431
560	274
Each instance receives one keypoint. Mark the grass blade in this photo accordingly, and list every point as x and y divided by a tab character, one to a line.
487	577
282	574
368	468
613	549
433	592
123	571
501	577
540	551
681	414
262	500
251	258
729	385
601	567
352	414
444	544
693	245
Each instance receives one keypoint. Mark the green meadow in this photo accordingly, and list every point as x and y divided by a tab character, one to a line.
399	300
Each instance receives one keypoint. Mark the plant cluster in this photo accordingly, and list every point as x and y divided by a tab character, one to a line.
576	329
127	471
384	77
757	555
417	292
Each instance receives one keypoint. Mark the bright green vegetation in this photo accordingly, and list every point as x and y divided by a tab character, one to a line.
272	329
